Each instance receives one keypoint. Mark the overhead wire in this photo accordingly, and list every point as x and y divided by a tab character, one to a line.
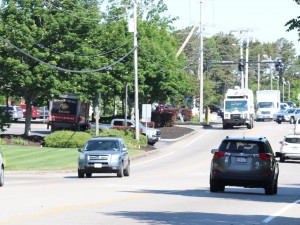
85	56
105	68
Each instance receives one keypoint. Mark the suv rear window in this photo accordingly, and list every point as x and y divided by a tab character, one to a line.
293	140
248	147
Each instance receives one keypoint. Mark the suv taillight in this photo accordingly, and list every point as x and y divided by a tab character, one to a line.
265	156
219	154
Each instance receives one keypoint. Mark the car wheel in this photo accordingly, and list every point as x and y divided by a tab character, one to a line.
88	175
127	171
120	173
271	189
276	186
80	173
1	176
282	159
292	120
215	187
279	122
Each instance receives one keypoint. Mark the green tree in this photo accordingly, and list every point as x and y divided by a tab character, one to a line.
51	31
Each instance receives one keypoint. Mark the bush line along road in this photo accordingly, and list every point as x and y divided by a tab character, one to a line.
170	186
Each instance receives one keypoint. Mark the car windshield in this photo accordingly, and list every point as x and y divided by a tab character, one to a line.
290	110
265	105
248	147
102	145
292	140
239	105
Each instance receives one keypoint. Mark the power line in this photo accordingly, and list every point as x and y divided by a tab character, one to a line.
87	56
105	68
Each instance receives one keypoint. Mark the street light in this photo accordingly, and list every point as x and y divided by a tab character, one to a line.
283	83
277	78
289	90
271	70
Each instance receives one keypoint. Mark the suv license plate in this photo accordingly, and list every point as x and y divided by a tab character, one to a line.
98	165
241	159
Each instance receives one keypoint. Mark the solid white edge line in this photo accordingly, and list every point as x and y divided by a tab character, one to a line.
169	153
273	216
196	139
153	159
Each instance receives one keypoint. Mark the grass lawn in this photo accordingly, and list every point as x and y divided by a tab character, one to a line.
42	158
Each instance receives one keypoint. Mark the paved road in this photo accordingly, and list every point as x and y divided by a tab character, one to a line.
38	127
169	186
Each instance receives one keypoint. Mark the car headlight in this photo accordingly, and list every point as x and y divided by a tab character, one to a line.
115	158
82	156
258	113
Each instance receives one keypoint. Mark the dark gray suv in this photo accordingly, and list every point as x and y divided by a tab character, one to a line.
104	155
244	161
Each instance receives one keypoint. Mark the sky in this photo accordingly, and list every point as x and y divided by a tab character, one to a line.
264	19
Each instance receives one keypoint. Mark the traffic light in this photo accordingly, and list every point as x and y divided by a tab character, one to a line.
279	66
241	65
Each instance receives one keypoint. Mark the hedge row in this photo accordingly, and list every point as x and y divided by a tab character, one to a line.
72	139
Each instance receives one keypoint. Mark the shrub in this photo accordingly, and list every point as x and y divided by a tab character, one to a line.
19	141
127	134
187	114
66	139
2	142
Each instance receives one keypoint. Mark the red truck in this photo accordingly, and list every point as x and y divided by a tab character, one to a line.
68	113
35	111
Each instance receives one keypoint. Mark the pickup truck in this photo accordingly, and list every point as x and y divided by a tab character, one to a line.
152	134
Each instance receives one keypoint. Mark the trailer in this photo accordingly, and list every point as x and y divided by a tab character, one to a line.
67	112
267	104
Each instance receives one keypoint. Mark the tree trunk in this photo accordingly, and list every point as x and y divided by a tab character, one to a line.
27	130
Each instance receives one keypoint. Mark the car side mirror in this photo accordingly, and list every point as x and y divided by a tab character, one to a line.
80	150
213	151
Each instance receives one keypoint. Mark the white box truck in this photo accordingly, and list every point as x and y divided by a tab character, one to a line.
238	108
267	104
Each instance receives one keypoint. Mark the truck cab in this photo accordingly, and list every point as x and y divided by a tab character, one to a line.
238	108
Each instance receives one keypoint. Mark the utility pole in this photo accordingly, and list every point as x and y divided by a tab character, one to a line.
136	89
200	67
241	61
247	62
258	72
244	64
126	100
186	41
